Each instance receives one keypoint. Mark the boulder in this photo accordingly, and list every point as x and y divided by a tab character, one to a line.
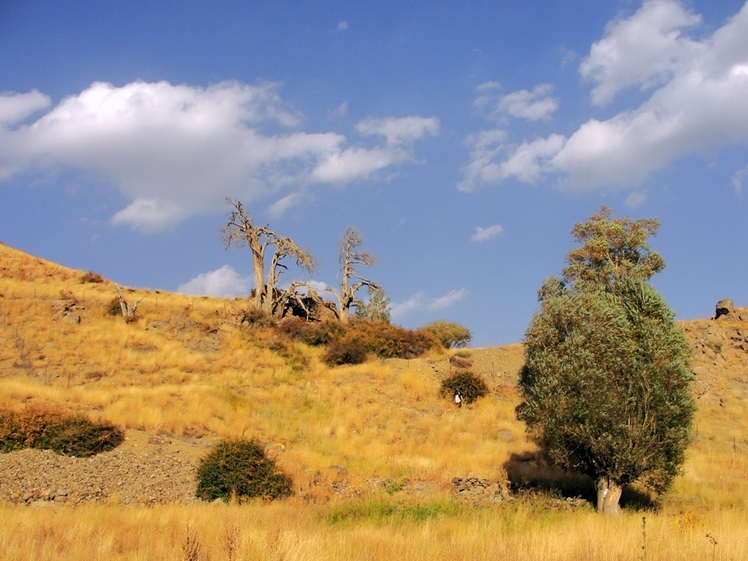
724	307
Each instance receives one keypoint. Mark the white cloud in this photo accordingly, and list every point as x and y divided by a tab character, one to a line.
221	282
483	234
635	199
737	180
419	302
399	131
279	208
698	106
646	49
532	105
342	25
449	299
176	151
15	107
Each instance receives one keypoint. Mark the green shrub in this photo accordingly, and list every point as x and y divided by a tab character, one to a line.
468	385
451	334
51	429
241	469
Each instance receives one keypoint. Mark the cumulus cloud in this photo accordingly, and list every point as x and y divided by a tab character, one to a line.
15	107
221	282
342	25
531	105
483	234
646	49
697	105
419	302
176	151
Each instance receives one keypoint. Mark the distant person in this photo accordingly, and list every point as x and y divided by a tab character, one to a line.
458	399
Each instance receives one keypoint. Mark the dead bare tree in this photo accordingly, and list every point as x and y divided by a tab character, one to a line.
350	260
241	230
128	309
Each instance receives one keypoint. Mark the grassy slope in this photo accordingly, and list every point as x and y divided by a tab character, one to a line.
197	374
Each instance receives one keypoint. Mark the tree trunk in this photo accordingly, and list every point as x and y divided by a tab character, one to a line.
608	495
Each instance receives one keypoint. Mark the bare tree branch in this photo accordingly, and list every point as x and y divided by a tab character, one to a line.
351	259
128	309
241	230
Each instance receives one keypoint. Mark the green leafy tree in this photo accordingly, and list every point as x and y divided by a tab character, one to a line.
606	380
377	308
451	334
611	250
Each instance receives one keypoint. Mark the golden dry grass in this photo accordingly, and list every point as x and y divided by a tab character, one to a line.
382	420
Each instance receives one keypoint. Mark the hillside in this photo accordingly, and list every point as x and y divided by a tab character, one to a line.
187	373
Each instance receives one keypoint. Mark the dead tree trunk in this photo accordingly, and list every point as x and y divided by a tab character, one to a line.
608	496
128	309
240	230
350	259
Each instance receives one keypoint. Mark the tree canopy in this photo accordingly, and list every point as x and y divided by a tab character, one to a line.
606	379
612	250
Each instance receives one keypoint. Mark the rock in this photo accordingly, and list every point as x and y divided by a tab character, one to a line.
71	318
724	307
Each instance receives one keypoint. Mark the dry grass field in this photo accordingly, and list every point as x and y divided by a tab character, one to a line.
372	448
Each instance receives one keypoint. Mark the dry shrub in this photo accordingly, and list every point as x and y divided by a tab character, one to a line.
92	277
468	385
350	349
311	332
52	429
378	338
350	343
113	307
391	341
240	469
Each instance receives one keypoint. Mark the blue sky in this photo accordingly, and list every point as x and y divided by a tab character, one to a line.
463	141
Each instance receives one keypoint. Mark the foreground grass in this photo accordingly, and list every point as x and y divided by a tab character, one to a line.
386	531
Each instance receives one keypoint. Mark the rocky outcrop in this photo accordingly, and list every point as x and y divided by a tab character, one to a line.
478	491
724	307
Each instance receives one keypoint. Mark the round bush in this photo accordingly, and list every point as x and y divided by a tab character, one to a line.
53	429
240	468
450	334
468	385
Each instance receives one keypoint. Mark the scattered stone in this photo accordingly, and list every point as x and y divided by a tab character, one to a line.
478	491
506	435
